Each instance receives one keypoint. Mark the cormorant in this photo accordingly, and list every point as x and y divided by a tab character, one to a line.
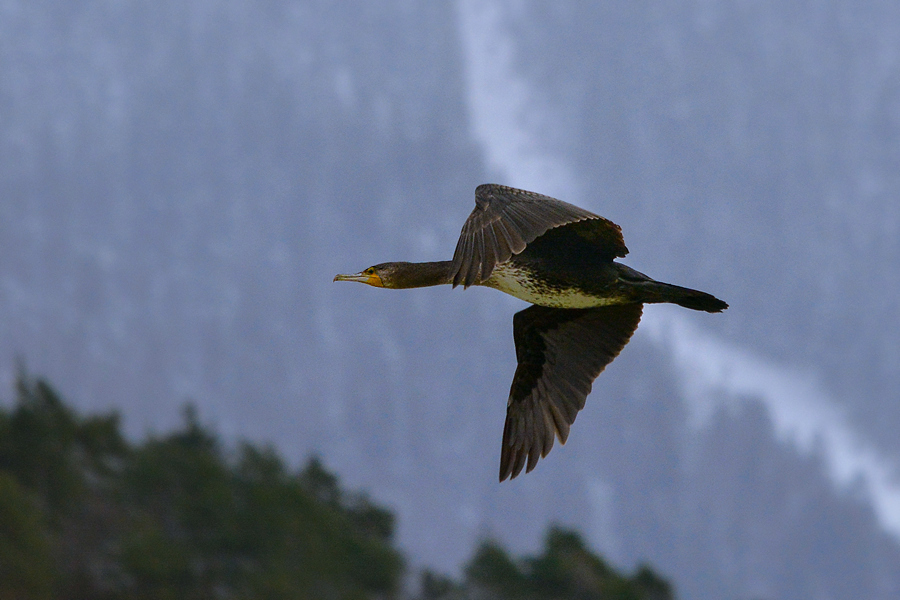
559	257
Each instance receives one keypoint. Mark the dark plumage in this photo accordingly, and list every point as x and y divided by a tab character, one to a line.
559	257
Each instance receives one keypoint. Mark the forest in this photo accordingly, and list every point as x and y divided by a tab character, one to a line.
87	513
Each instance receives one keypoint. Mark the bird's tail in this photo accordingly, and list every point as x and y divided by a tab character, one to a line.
686	297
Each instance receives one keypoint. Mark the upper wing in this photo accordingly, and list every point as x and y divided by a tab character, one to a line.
506	219
560	352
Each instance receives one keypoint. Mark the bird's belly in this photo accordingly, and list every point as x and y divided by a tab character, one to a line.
523	285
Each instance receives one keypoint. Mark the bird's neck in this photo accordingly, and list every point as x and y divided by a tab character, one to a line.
416	275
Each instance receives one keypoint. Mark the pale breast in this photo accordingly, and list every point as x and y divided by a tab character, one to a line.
521	284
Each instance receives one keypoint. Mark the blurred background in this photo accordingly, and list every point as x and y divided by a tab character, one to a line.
179	183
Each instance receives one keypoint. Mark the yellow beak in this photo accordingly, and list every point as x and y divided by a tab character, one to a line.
368	278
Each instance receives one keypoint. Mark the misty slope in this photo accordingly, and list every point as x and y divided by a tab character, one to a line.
751	149
180	184
181	180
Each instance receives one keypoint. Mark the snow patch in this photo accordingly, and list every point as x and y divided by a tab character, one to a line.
802	411
503	111
502	106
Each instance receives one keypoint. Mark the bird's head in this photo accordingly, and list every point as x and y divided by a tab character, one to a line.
376	276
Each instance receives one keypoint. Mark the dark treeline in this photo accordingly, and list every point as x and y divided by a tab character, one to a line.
85	513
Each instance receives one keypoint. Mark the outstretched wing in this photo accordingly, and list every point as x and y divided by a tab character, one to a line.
506	219
560	352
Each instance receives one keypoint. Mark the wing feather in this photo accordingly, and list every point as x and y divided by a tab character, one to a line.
520	217
560	352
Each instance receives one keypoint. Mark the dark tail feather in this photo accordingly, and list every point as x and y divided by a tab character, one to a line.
686	297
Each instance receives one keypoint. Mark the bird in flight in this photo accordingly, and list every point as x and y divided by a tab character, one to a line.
586	306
